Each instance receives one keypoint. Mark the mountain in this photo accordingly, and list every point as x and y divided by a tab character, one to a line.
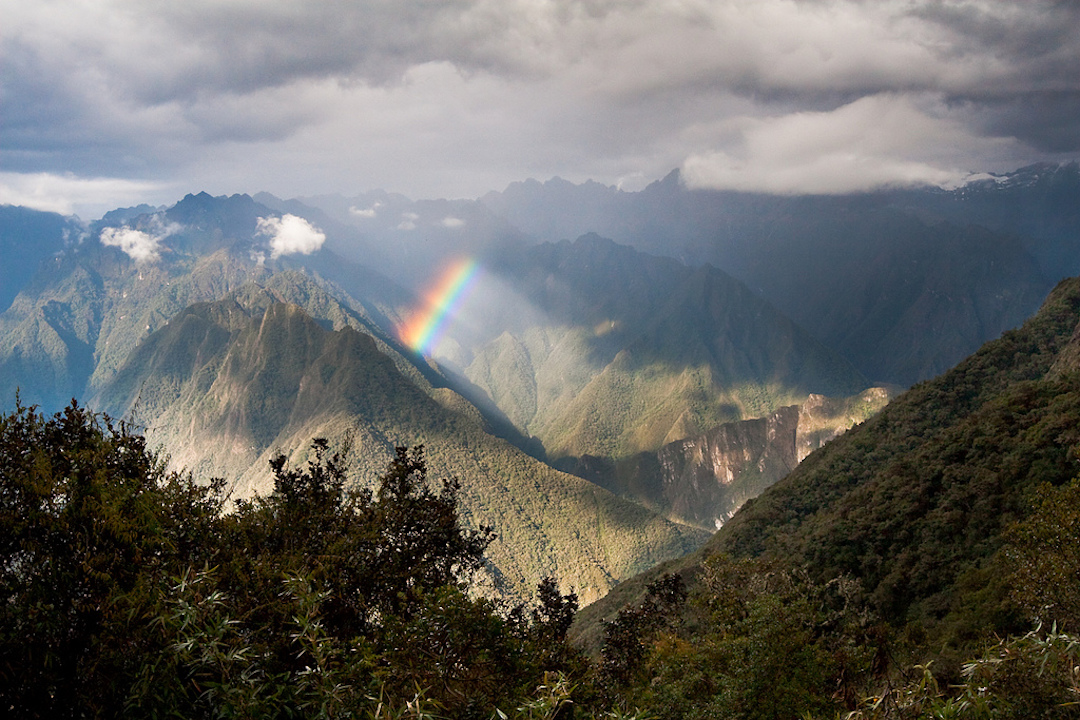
77	320
230	351
703	480
27	237
227	385
914	503
595	348
186	323
902	283
1037	204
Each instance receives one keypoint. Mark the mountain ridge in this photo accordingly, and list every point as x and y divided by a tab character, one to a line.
274	381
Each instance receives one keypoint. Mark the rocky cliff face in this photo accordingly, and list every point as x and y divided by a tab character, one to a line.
703	480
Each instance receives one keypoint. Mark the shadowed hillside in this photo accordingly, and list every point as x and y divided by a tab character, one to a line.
617	352
915	502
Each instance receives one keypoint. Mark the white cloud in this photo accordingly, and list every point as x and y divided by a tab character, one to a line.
878	141
452	222
141	244
290	234
366	213
457	97
89	198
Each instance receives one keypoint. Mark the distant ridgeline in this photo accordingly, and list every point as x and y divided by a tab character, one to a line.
903	283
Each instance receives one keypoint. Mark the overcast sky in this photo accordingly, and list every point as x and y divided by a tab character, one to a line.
111	102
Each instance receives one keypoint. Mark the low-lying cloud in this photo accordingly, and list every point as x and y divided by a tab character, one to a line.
141	245
291	235
887	140
89	198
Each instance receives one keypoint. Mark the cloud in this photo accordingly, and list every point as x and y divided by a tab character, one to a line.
452	222
290	234
366	213
141	245
89	198
879	141
456	97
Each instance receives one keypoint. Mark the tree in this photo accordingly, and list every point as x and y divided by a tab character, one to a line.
1045	552
127	589
90	518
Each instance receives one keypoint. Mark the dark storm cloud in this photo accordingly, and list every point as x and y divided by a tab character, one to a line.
457	96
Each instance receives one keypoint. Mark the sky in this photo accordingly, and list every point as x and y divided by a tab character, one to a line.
109	103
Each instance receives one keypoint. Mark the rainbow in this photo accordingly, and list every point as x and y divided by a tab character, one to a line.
424	328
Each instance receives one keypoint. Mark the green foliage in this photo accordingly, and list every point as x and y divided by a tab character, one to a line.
1018	678
90	519
915	502
755	641
626	637
1045	552
127	589
223	384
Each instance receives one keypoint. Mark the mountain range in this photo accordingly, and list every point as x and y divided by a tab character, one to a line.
607	400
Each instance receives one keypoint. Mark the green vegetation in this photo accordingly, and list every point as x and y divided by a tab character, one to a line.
229	385
756	640
899	576
915	502
922	565
129	590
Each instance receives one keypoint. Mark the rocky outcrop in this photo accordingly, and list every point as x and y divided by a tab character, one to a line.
703	480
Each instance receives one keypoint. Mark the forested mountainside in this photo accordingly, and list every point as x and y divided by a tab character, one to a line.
765	630
916	503
569	349
914	538
222	397
609	352
923	564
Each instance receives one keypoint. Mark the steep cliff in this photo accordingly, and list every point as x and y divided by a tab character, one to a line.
703	480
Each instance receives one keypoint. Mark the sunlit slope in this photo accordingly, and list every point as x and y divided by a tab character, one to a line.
622	352
234	385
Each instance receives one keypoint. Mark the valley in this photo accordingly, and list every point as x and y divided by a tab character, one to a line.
625	384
